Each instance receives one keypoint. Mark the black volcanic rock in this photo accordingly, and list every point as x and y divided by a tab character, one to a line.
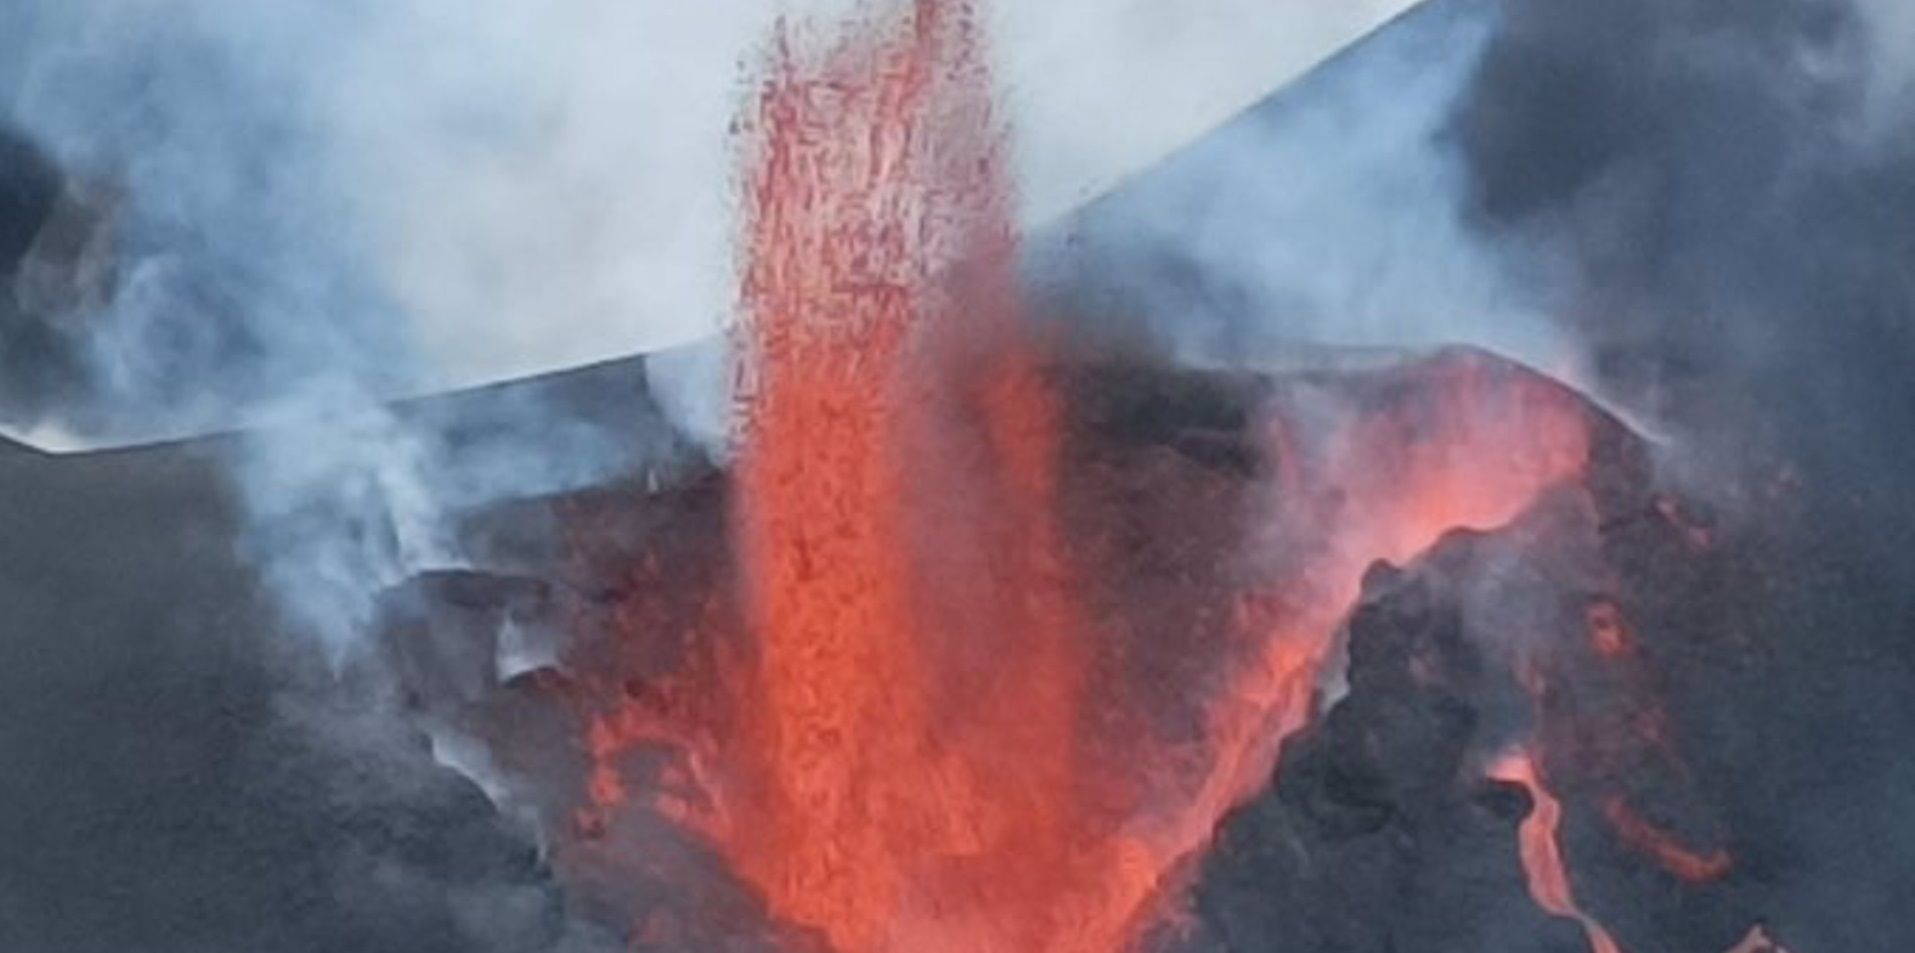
178	777
1589	633
1376	836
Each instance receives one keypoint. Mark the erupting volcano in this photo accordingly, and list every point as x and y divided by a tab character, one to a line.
980	646
1456	504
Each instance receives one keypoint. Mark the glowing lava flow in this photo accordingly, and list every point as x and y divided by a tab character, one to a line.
1472	448
1636	743
1542	852
1688	865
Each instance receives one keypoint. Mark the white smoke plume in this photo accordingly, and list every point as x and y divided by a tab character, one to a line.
1330	215
455	193
319	206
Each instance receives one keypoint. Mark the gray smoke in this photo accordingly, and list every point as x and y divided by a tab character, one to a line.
1707	188
357	190
1718	198
1324	216
236	279
239	290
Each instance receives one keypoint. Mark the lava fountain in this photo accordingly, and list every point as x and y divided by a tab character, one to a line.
907	778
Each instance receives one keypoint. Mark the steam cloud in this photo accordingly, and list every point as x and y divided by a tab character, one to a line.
312	208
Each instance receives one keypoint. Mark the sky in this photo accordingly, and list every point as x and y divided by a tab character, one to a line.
443	193
628	203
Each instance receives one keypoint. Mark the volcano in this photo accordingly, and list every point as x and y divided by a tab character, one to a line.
988	626
930	711
976	646
1517	587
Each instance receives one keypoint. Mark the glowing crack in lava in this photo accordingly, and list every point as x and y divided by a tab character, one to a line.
914	755
1542	853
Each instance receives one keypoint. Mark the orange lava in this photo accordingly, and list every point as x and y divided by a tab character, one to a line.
1640	834
1542	853
907	778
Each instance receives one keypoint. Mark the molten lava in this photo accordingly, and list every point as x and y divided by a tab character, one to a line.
884	476
910	753
1613	725
1542	853
1692	866
1470	449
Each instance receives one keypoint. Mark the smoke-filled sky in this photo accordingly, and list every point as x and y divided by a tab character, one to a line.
433	193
